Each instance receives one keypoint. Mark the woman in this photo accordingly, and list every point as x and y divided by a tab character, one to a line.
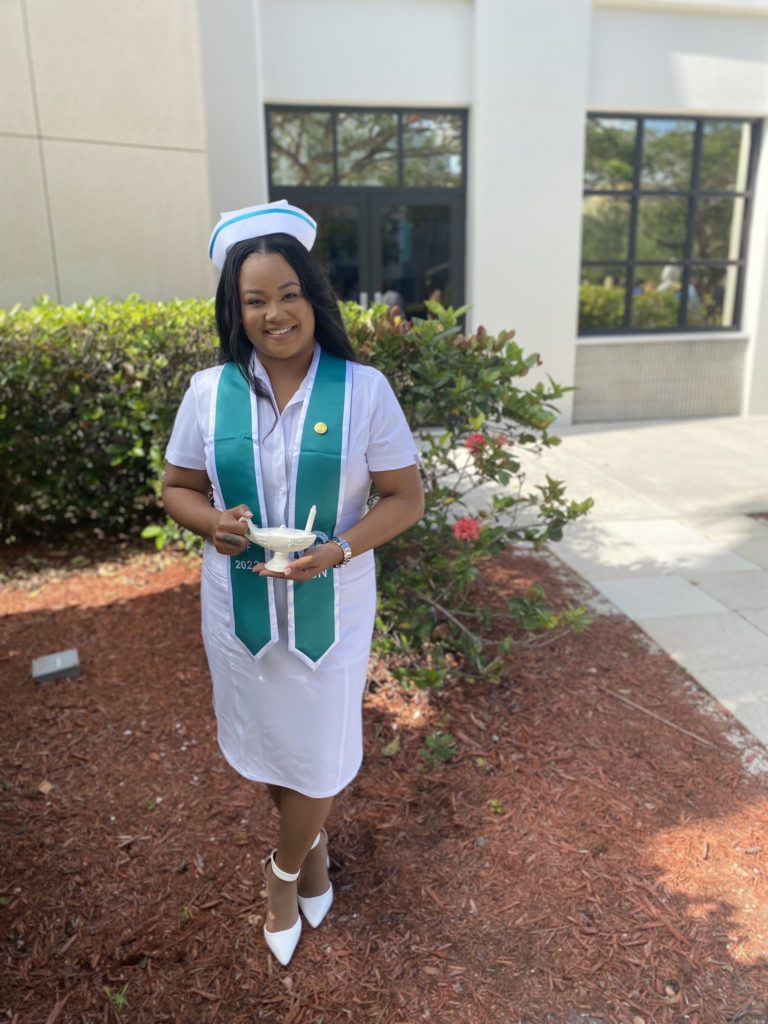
288	420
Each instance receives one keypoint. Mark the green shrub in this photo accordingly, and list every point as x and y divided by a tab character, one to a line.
85	390
600	307
655	309
88	396
467	404
604	307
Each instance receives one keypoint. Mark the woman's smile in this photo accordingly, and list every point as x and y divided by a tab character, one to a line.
269	293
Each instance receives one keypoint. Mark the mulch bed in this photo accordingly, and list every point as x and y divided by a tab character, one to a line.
578	861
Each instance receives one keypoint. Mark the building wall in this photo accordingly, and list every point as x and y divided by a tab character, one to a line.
520	68
125	129
662	57
368	52
103	171
658	377
26	257
658	62
527	152
231	45
755	391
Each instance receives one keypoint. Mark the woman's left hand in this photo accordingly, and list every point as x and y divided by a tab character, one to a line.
318	560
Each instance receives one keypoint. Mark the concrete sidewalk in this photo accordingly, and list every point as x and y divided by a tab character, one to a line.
671	543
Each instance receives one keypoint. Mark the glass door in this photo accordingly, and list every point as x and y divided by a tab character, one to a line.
388	189
417	251
381	246
342	247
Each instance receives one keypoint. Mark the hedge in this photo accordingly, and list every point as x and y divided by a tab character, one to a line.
85	390
88	396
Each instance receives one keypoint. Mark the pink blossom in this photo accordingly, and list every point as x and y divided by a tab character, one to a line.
475	442
467	528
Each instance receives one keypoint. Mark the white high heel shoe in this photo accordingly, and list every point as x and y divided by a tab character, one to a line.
314	908
282	943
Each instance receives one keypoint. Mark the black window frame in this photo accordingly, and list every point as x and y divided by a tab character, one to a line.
692	195
460	188
454	196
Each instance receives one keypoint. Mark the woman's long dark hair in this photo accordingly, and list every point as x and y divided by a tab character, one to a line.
234	346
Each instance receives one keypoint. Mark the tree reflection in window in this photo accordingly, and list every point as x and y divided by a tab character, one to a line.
605	228
301	148
667	154
725	149
662	222
610	153
666	201
366	148
432	150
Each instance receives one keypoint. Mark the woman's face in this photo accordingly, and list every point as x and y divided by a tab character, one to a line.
277	319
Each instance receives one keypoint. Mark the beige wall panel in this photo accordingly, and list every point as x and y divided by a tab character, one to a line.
755	314
735	8
234	118
415	52
526	163
26	262
118	72
654	62
653	380
17	113
129	220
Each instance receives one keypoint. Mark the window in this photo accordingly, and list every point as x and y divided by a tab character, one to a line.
387	187
366	148
665	209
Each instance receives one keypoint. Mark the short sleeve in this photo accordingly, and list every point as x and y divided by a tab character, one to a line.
390	443
186	447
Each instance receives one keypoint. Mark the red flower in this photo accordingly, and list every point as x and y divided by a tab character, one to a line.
476	442
467	528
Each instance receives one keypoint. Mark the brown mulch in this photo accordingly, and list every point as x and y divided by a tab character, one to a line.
577	862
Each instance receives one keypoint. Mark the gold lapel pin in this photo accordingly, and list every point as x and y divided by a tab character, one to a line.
321	428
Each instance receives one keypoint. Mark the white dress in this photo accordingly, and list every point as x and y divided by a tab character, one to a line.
278	721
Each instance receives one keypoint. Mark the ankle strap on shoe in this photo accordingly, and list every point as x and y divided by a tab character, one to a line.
318	837
284	876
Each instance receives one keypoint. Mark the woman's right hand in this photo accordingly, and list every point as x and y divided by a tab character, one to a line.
229	536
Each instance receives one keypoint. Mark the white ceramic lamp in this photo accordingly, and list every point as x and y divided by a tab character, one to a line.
282	541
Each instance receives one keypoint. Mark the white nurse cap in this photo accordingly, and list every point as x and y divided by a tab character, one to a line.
255	221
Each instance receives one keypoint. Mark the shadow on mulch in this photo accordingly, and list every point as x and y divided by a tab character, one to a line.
577	862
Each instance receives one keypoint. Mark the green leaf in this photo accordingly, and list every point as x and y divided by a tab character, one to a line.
393	747
440	747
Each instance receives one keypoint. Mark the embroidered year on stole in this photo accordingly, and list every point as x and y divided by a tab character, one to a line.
318	476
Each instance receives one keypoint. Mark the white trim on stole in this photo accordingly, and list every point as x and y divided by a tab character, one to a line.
292	510
262	514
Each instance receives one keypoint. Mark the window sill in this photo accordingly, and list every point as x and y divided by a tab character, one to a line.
634	339
734	8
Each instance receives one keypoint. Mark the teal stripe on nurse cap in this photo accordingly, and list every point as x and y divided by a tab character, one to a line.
255	221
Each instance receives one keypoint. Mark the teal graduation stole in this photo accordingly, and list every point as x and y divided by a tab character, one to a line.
239	477
319	461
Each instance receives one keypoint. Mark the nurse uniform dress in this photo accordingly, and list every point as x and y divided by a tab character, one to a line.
281	718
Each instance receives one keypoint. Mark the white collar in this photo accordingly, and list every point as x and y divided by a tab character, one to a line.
257	369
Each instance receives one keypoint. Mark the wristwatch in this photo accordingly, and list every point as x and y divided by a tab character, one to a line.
344	545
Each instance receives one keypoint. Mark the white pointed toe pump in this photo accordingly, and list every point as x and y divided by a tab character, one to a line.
314	908
282	943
